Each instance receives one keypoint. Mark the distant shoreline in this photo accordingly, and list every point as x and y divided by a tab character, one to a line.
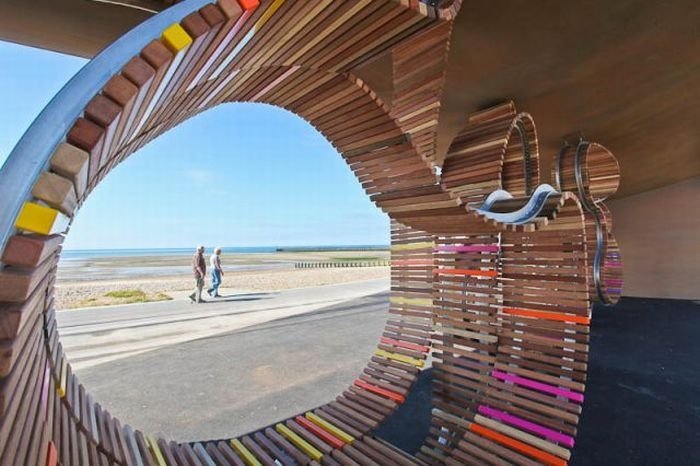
331	248
113	276
73	254
158	265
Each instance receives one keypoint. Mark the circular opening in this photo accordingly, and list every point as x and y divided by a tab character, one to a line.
316	271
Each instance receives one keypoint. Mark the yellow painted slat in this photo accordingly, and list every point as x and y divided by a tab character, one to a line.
413	301
400	358
265	17
62	381
302	444
176	38
247	456
157	455
409	246
41	219
322	423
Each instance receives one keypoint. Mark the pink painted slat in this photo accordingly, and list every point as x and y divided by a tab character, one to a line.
543	387
527	425
470	248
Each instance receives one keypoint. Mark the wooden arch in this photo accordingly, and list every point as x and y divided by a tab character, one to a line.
496	289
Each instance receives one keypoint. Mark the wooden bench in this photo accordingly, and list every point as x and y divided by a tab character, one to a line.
501	310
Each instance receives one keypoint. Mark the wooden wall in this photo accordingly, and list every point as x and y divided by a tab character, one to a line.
659	234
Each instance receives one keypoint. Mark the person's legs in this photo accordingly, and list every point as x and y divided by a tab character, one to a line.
215	282
194	293
198	290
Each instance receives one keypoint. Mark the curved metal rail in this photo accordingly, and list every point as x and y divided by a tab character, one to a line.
590	207
31	154
599	233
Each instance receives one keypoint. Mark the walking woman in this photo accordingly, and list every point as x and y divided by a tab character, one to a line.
216	273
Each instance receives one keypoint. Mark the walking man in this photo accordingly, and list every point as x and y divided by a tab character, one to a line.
216	273
199	268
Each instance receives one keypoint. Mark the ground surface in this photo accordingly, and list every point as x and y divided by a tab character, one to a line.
230	384
72	294
97	335
642	401
641	404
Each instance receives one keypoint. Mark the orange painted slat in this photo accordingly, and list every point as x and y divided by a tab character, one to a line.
324	435
404	344
52	455
380	391
547	315
517	445
249	4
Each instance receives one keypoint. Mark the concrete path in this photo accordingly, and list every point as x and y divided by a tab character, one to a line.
97	335
232	383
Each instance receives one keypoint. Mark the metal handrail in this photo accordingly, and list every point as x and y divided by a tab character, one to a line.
595	213
32	153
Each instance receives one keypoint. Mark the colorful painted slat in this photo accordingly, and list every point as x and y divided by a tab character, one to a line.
380	391
516	445
400	358
547	315
467	272
330	428
299	442
527	425
543	387
36	218
322	434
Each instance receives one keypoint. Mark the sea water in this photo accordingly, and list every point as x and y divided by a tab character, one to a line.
80	265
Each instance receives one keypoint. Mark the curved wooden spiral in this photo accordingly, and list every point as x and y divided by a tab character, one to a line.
502	307
497	149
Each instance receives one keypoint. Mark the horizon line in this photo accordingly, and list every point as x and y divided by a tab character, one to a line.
296	246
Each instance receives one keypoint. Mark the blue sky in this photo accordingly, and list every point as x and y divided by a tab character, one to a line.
238	175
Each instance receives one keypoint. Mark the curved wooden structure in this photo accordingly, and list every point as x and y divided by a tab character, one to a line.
491	274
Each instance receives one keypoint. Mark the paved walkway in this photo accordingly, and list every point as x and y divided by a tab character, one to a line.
97	335
232	383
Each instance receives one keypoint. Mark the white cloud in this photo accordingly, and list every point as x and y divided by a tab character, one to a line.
200	176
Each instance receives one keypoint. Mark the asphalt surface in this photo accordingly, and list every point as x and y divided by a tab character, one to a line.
642	403
94	336
232	383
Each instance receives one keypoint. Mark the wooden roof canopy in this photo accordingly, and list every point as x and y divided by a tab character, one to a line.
625	72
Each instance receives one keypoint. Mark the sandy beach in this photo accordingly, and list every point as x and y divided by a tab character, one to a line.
86	281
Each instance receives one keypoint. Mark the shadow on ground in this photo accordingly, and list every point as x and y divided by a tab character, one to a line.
642	402
239	297
408	427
